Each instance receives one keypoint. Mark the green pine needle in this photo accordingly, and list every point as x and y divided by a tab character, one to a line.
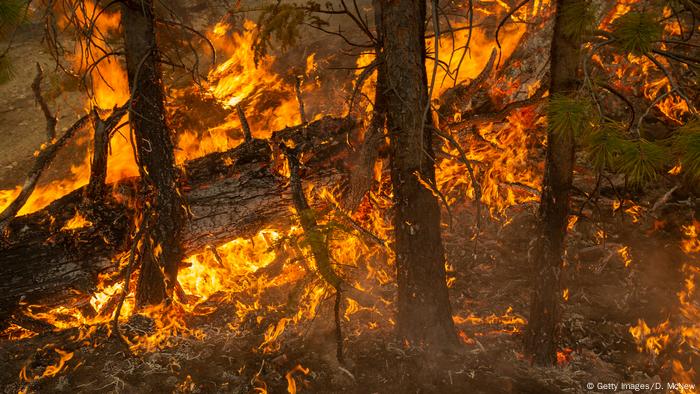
578	17
281	21
6	69
636	32
568	116
687	144
604	144
641	161
11	13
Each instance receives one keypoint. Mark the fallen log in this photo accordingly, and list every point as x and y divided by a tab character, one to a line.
230	194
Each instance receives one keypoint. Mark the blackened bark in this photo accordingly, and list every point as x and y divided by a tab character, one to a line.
361	178
102	130
424	313
155	154
540	335
98	167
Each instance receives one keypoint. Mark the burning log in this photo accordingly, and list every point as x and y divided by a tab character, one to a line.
230	194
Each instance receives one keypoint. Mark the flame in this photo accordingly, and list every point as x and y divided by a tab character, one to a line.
16	332
508	323
651	341
51	370
564	356
78	221
508	174
480	48
291	383
624	253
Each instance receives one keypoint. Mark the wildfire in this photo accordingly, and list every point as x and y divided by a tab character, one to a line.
248	272
291	382
78	221
508	323
50	370
624	253
654	340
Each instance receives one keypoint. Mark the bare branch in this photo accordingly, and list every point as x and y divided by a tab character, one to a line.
51	120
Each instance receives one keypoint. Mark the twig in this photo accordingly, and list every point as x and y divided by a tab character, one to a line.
502	23
244	123
436	27
469	39
297	89
51	120
664	199
338	329
103	131
216	255
359	228
125	289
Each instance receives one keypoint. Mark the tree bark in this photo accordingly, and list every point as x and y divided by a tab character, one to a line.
424	313
362	176
156	159
540	334
231	194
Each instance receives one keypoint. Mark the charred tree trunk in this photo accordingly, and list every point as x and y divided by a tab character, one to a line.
98	167
424	313
155	154
102	130
540	335
361	179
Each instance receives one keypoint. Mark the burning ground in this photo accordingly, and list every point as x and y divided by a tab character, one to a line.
252	313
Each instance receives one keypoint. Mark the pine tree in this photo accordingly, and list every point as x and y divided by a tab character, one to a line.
11	15
424	312
567	118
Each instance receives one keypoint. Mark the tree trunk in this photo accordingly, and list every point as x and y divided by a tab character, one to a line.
231	194
362	176
156	159
540	335
424	313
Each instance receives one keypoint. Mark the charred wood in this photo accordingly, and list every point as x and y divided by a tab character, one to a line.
230	194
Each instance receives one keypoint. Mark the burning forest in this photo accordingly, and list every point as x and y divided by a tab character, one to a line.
471	196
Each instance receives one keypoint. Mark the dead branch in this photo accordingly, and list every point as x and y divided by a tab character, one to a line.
300	100
51	120
103	130
43	158
315	239
244	123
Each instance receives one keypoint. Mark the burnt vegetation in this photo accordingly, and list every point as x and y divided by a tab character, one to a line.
350	196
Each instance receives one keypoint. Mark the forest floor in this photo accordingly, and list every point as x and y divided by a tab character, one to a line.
605	299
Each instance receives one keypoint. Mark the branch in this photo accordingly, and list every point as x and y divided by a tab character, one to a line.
502	23
45	156
300	100
51	120
103	131
244	123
